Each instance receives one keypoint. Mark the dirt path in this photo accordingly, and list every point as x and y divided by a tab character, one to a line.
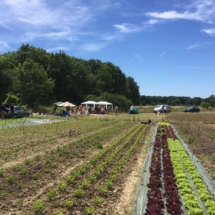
125	204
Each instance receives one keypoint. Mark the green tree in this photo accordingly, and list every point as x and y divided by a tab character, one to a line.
205	105
34	84
132	91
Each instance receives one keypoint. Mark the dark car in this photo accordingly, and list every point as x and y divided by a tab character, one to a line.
18	111
192	109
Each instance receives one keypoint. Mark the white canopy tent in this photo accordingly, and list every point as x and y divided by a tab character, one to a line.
66	104
105	104
97	103
89	103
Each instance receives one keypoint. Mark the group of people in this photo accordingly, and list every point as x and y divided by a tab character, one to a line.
79	111
5	110
99	110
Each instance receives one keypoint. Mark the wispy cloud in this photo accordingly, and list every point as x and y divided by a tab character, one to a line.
127	28
210	31
67	20
162	54
198	45
136	56
4	46
93	47
58	48
203	11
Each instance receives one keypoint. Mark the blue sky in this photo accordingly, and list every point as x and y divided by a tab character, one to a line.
168	47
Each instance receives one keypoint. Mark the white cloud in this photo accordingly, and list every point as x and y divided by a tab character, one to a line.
92	47
127	28
152	22
58	48
210	31
4	46
199	10
198	45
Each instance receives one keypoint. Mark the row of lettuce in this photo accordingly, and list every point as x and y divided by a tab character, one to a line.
175	186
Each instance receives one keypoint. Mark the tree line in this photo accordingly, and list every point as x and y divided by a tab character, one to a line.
31	76
178	100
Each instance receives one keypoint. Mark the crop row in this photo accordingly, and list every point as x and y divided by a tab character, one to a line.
91	182
175	186
162	190
196	196
30	173
32	147
23	144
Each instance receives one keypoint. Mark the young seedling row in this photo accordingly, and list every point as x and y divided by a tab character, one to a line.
67	176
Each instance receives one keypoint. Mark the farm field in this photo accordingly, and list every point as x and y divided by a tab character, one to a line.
44	170
96	170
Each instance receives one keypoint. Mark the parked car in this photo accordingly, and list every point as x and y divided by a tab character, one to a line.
192	109
161	109
18	111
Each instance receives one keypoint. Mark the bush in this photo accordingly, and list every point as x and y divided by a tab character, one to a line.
205	105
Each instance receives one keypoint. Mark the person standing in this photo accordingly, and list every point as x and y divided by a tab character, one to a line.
132	108
2	108
165	109
12	110
80	110
116	110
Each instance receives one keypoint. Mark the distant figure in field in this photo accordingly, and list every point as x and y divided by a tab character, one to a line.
116	110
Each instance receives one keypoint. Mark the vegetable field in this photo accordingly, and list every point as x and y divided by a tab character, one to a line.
175	186
94	165
67	167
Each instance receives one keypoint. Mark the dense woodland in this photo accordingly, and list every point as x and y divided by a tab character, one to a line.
33	77
178	100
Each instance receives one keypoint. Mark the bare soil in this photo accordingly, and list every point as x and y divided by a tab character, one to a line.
19	190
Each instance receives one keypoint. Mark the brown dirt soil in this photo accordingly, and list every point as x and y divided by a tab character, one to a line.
125	204
109	199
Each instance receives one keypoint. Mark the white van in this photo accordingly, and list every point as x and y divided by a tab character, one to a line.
162	109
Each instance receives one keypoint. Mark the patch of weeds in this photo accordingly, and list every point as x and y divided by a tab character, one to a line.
38	206
85	184
191	140
97	200
20	184
47	170
36	176
202	159
102	190
62	186
54	165
20	202
68	203
10	178
48	160
99	146
38	158
90	210
58	213
1	173
3	194
51	194
78	192
15	167
27	161
24	171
